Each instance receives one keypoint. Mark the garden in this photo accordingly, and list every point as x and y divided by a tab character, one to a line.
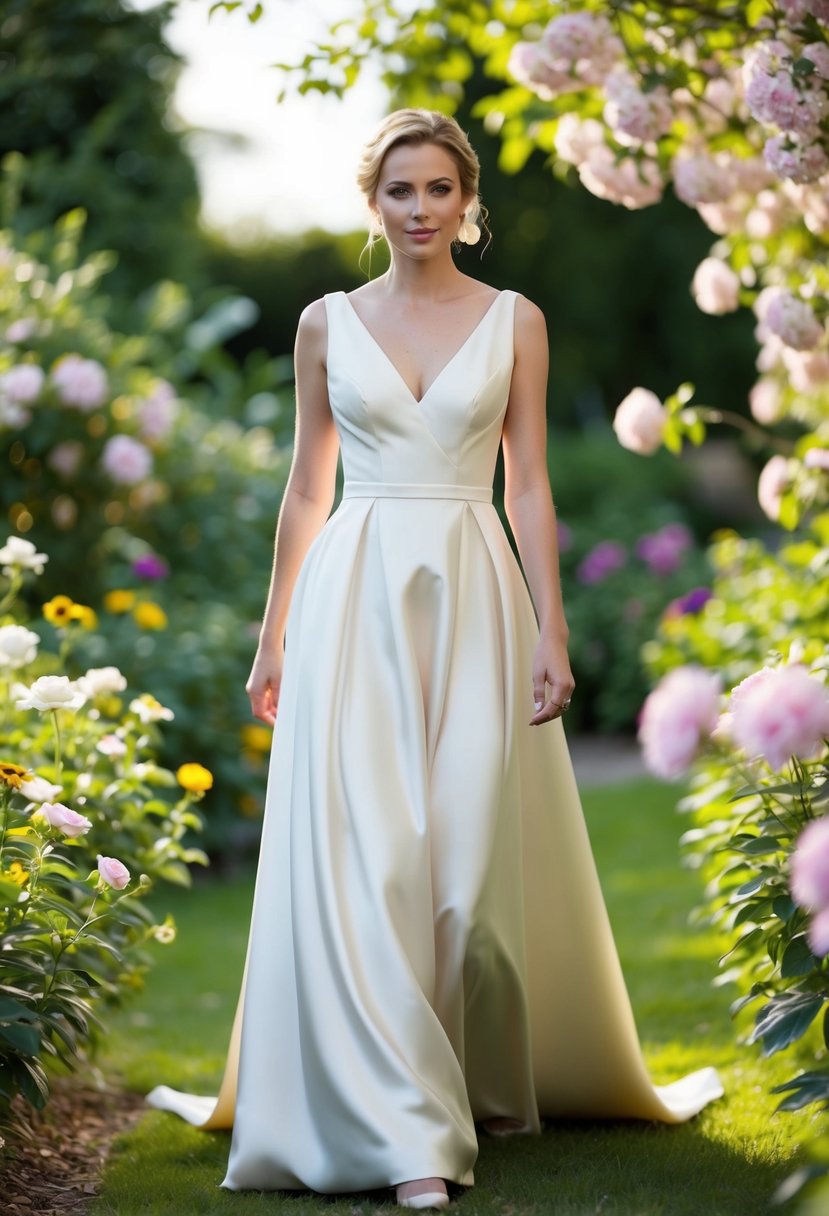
146	426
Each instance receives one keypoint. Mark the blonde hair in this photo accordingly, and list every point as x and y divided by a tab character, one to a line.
415	126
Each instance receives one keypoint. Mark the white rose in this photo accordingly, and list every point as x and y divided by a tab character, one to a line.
101	680
38	789
21	554
51	692
18	645
639	421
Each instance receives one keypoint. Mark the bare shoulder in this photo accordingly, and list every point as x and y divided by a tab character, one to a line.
313	320
529	319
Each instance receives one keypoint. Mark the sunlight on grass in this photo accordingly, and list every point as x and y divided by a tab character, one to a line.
725	1162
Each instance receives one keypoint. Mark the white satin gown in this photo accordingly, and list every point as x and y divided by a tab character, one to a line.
429	944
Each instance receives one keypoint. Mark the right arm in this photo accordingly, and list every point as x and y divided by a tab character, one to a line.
306	504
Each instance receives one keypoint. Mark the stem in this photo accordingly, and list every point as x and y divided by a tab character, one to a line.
58	761
6	800
709	414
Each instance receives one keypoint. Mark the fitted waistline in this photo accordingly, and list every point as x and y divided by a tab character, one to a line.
406	489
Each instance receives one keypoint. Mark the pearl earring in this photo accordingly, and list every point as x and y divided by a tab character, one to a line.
468	232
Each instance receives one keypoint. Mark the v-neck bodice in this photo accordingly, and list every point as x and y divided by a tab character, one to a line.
451	435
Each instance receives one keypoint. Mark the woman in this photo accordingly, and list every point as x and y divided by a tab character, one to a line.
429	946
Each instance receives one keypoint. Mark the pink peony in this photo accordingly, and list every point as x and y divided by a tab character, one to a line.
639	421
113	872
775	96
680	712
126	460
65	820
715	287
796	11
772	485
810	865
79	382
784	714
577	137
22	384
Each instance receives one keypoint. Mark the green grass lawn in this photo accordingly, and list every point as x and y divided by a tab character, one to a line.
726	1161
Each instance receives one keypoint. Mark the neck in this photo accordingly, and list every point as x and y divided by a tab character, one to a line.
427	281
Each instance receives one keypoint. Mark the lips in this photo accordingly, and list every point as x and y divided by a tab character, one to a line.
421	231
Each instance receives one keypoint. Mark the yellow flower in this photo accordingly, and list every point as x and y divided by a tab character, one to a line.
13	774
84	614
58	610
149	615
194	777
119	601
17	873
257	738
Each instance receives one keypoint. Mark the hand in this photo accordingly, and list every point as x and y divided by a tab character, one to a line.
551	666
263	684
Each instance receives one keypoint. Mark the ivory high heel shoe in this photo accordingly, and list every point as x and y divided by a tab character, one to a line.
426	1199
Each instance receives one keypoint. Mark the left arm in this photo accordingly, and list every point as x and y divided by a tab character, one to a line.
529	507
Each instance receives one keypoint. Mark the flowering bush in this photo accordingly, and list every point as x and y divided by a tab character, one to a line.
88	823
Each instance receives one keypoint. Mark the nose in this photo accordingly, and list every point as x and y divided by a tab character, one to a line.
420	210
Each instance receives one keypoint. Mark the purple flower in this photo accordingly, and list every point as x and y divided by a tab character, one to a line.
603	559
565	536
663	550
150	566
693	600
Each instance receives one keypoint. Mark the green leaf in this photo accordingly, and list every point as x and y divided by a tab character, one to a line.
804	1089
25	1039
797	958
785	1018
759	844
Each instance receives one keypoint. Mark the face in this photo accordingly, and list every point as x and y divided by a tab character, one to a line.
419	200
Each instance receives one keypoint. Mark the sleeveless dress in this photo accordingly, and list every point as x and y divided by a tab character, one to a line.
429	944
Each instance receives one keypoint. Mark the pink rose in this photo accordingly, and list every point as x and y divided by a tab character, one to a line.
113	872
65	820
784	714
639	421
680	712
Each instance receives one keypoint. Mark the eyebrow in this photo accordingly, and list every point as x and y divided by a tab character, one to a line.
433	182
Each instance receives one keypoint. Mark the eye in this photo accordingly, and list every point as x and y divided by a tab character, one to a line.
444	189
396	190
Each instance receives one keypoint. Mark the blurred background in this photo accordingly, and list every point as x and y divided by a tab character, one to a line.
164	222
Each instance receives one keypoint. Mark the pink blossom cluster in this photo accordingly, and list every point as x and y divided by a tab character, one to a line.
774	480
777	96
810	881
715	287
157	412
792	319
796	11
126	460
80	383
677	718
635	116
575	50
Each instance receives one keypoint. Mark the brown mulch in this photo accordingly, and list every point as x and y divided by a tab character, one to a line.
56	1168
